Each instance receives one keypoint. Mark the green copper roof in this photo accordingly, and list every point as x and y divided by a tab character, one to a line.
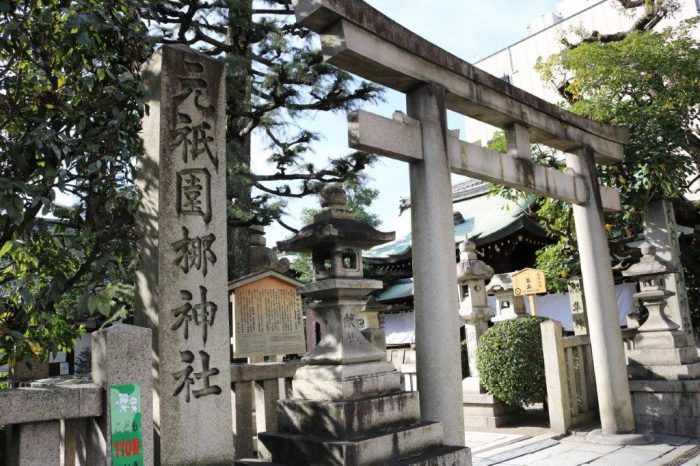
398	290
487	218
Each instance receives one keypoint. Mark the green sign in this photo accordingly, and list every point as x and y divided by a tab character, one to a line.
125	408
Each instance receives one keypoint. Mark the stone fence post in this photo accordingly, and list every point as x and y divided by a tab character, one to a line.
558	399
121	355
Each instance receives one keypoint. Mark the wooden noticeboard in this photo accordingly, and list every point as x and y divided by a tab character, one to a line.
529	282
266	316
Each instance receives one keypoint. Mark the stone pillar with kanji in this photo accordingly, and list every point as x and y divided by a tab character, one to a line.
181	284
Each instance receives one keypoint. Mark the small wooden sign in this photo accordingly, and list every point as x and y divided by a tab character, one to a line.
528	282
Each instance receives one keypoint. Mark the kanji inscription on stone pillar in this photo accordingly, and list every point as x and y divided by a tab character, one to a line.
182	284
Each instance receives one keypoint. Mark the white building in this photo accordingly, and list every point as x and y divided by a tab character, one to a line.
516	63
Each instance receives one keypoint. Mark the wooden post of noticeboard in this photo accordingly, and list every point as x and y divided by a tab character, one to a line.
533	306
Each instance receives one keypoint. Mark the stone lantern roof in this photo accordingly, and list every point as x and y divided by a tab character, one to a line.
335	225
499	283
650	264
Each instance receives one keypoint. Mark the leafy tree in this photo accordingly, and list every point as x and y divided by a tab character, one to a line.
70	111
647	81
276	77
360	197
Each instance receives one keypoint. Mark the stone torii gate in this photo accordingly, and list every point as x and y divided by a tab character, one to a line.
361	40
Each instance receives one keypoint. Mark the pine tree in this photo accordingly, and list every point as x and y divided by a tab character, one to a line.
275	78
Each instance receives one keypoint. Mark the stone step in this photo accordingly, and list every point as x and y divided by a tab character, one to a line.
444	456
491	422
377	449
677	372
345	420
663	356
490	410
479	398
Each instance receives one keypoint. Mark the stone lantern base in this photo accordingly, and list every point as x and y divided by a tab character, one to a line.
379	429
665	385
483	410
669	407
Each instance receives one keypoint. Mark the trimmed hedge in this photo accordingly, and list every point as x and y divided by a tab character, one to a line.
510	361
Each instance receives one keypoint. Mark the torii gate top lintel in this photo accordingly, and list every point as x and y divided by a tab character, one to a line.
396	57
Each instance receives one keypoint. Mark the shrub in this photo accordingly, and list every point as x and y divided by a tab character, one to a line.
510	361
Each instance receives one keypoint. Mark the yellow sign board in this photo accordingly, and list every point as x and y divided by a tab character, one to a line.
528	282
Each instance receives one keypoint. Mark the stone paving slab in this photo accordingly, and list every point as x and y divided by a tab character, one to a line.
667	450
547	453
524	443
571	458
517	452
483	441
669	457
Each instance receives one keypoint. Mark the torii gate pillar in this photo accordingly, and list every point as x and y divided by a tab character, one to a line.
613	391
436	316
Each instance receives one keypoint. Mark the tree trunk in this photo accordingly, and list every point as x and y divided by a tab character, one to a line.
238	92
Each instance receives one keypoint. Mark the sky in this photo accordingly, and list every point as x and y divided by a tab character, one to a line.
470	29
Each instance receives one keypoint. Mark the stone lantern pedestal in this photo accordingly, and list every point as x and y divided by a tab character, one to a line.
481	409
664	369
348	408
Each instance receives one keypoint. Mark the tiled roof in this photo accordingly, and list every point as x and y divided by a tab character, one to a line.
397	290
486	219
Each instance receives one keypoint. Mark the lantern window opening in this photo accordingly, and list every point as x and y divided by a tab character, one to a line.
349	259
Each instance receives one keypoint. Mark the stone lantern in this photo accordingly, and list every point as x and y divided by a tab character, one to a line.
508	305
663	367
347	407
481	409
336	240
651	272
472	274
661	348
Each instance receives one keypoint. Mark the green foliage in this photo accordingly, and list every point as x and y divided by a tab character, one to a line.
69	125
559	261
649	82
510	361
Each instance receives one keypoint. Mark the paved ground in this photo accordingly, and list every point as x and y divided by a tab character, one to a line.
544	449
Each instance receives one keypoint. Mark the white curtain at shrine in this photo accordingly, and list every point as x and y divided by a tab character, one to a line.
557	307
400	330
